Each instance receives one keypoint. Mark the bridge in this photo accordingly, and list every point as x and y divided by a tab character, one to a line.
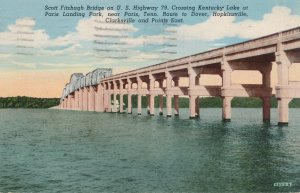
96	90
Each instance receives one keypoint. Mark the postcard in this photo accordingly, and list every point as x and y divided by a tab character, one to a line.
149	96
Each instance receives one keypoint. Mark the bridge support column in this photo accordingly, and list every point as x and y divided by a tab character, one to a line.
161	98
139	105
91	99
121	104
105	102
121	107
96	102
176	97
266	74
193	97
284	96
148	103
151	95
99	99
169	93
105	99
110	98
266	109
139	95
161	104
283	111
65	103
85	99
227	109
75	101
226	84
69	102
152	109
197	109
169	105
197	104
129	96
176	105
80	99
109	109
114	109
192	106
72	102
129	108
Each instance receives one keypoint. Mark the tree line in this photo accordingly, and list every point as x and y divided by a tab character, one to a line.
28	102
213	102
205	102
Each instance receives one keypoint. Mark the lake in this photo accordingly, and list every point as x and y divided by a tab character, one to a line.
45	150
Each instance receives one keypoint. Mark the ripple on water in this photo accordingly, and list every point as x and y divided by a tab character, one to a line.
65	151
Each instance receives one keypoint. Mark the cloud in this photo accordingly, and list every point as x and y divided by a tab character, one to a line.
86	30
24	64
216	28
144	40
138	56
3	55
22	33
90	44
64	65
279	19
89	29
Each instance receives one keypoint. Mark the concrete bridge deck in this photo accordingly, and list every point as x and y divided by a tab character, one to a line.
94	92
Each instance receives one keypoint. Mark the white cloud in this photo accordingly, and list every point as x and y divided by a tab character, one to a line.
141	57
77	48
144	40
3	55
216	28
65	65
24	64
87	28
85	31
22	33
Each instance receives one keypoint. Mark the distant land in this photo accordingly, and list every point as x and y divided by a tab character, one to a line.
216	102
28	102
206	102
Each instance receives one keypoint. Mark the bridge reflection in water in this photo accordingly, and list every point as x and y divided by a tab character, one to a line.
94	91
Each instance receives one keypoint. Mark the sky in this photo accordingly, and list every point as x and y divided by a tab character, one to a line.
39	53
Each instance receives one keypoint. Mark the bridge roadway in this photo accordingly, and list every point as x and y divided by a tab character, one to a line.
162	79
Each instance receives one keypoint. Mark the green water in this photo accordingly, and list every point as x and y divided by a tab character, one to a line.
66	151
